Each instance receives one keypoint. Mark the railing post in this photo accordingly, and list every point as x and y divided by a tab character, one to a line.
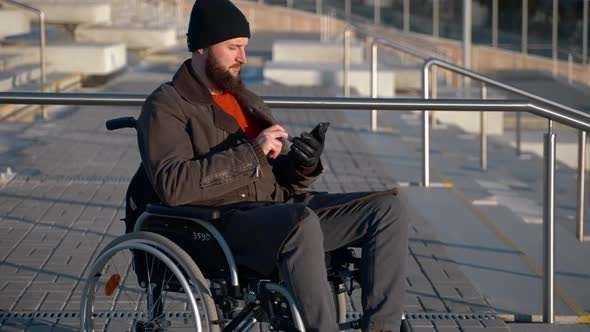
406	15
466	39
549	226
525	27
434	94
346	64
42	45
554	40
435	17
377	12
570	68
374	83
495	23
517	133
347	10
581	184
425	128
483	131
585	33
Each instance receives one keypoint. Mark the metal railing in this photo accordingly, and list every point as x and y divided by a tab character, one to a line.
41	14
431	64
549	155
428	65
567	116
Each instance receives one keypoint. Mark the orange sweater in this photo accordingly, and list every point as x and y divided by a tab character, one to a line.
230	105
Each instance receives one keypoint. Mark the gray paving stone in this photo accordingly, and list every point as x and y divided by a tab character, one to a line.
415	323
448	329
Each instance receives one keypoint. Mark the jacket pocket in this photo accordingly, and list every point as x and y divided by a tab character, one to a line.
227	176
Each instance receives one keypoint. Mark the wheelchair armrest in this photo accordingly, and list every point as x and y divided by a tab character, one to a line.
199	212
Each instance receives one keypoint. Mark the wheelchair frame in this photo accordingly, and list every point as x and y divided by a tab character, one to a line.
230	260
175	258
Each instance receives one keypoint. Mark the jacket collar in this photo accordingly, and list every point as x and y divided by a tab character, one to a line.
191	88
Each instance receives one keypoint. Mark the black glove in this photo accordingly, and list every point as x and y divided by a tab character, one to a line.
307	148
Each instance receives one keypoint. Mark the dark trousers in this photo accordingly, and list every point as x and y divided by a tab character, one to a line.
324	222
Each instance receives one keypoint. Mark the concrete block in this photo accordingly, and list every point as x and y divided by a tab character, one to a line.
310	74
313	51
132	37
73	12
83	58
14	22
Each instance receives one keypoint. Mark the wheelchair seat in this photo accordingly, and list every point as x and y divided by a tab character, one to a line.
198	212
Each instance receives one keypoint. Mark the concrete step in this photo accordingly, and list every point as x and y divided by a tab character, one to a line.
321	74
19	75
57	82
10	60
72	12
14	22
132	37
84	58
314	51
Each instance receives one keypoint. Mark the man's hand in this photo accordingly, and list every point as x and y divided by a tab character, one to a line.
269	140
308	147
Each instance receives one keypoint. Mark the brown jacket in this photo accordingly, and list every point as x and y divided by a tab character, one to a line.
195	153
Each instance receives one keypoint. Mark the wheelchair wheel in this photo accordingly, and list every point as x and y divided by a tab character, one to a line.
141	282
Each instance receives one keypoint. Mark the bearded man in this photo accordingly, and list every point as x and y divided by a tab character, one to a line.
206	140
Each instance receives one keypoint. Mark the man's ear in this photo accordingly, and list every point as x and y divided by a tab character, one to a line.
202	51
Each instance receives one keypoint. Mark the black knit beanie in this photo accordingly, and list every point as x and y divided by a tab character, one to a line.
214	21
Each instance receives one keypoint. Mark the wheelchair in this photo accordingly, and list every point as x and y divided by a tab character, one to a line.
175	272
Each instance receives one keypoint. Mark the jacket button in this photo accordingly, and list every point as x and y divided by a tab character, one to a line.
243	195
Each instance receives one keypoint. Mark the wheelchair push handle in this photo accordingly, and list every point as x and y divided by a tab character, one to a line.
118	123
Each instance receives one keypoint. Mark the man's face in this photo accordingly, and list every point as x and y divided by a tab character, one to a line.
224	61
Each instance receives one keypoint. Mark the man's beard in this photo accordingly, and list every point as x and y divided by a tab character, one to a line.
222	77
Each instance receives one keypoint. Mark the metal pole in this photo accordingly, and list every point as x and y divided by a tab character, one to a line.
346	71
554	36
549	226
495	23
585	33
374	83
434	94
581	183
425	130
466	38
377	11
517	132
435	17
525	27
570	68
483	131
406	15
318	7
42	42
347	10
177	16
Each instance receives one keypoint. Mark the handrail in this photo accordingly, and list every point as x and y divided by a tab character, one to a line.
562	112
572	118
577	120
485	79
41	14
568	116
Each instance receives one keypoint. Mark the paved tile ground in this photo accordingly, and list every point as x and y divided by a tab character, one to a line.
67	200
